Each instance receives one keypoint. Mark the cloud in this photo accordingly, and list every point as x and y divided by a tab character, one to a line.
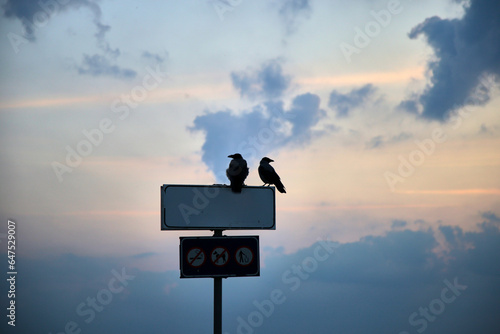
380	141
266	128
100	35
375	142
490	217
304	114
292	10
27	11
154	58
35	14
396	223
100	295
466	52
342	104
267	82
384	280
410	106
144	255
98	65
388	281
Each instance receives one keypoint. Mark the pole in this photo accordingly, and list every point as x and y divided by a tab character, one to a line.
217	305
217	297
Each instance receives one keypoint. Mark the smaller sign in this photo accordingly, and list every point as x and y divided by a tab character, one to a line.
227	256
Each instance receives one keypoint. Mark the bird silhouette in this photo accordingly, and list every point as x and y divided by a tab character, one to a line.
237	172
269	176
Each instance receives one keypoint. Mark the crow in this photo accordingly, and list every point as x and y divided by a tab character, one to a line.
269	176
237	172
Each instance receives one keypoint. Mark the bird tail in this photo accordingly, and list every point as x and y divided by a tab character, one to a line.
236	187
280	187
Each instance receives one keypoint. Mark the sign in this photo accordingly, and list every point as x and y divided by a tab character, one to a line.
202	207
228	256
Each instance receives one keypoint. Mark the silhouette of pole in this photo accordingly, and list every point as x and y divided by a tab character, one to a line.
217	297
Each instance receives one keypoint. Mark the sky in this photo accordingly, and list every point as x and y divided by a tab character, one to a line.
381	117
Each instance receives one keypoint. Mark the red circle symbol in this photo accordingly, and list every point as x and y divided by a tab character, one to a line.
220	256
244	256
196	257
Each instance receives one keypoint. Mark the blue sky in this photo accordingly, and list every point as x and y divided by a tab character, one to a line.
382	119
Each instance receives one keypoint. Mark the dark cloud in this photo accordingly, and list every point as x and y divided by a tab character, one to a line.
304	114
490	217
342	104
28	12
386	281
357	262
102	43
292	11
227	133
267	82
410	106
466	51
375	142
36	14
397	223
380	141
100	295
98	65
154	57
144	255
266	128
324	288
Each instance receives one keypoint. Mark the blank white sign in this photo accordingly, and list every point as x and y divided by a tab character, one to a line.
201	207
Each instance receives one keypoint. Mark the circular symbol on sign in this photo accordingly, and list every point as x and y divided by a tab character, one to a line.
196	257
220	256
244	256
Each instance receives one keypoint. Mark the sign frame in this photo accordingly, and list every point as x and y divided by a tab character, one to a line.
210	269
216	207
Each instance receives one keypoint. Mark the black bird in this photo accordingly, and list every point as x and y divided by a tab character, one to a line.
269	176
237	172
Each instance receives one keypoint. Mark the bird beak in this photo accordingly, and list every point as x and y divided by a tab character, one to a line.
271	160
230	156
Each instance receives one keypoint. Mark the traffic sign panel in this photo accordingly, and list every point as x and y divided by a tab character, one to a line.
228	256
202	207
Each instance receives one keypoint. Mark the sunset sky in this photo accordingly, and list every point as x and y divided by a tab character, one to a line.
381	116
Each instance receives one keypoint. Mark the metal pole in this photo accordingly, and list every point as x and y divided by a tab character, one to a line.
217	305
217	297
